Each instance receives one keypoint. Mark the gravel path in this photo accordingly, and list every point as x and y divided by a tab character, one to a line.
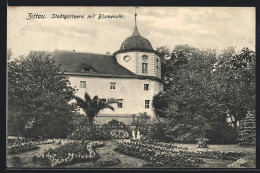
108	154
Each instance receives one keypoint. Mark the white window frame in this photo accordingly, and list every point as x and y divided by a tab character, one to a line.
112	85
83	84
146	87
144	68
120	103
147	104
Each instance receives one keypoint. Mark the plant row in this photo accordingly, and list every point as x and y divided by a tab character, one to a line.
93	132
157	156
200	153
73	152
23	147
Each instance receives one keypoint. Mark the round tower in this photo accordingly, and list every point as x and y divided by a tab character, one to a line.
137	55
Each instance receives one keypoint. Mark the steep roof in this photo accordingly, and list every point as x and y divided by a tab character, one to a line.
136	41
71	61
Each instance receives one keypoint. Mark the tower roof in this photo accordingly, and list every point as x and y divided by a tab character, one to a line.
136	42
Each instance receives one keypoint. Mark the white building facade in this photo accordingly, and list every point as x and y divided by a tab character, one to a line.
132	75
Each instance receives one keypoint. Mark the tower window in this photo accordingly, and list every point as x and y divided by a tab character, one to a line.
146	104
120	103
146	87
144	68
112	85
82	84
145	57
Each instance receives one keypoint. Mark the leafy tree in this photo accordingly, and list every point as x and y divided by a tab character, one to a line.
235	81
206	86
173	61
38	96
92	106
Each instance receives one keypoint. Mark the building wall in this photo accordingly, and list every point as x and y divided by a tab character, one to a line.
135	63
130	90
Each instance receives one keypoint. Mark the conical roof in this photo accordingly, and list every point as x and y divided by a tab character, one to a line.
136	42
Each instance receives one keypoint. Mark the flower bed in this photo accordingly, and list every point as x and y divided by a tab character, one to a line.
158	154
46	141
73	152
161	154
200	153
119	134
90	133
22	147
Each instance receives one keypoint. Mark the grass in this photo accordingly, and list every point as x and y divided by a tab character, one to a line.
109	158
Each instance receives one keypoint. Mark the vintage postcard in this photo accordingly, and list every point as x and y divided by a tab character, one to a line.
131	87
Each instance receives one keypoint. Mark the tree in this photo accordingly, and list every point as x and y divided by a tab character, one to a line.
172	62
235	80
38	96
205	87
92	106
191	107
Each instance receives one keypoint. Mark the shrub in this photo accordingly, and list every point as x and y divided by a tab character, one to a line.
16	161
222	134
141	121
117	129
156	130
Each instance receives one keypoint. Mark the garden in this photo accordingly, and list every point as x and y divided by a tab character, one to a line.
101	148
202	120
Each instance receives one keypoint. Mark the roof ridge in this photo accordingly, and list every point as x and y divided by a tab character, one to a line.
69	51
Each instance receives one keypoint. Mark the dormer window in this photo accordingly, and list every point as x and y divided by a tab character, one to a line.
123	45
86	69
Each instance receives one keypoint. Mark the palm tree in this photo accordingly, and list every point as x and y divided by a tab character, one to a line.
92	106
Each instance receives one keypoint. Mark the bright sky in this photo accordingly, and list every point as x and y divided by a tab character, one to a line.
202	27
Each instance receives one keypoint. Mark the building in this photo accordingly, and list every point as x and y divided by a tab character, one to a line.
132	75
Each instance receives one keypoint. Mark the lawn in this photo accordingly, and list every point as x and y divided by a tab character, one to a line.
112	159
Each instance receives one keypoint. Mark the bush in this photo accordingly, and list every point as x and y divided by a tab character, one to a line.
157	131
16	161
117	129
141	121
222	134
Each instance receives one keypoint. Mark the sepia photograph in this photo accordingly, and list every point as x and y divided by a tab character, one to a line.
116	87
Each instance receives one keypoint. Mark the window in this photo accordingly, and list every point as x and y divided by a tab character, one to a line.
146	86
82	84
120	103
112	85
144	57
147	104
144	68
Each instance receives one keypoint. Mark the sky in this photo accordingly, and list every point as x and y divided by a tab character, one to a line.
201	27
